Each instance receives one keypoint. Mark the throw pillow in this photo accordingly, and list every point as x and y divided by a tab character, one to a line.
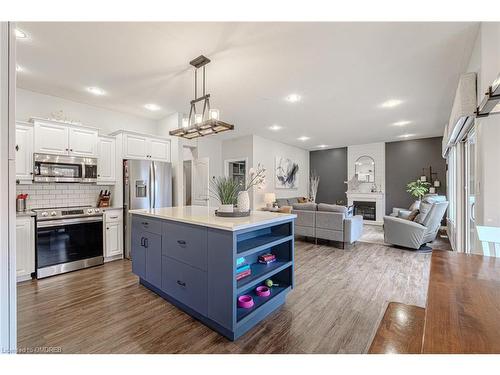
424	210
413	215
302	199
414	206
332	208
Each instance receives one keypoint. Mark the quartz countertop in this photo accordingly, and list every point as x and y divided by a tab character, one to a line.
205	216
26	213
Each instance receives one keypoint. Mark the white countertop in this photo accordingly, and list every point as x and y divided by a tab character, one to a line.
205	216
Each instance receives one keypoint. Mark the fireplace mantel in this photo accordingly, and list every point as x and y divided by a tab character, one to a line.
378	198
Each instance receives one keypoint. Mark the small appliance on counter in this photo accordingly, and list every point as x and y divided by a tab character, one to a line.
21	202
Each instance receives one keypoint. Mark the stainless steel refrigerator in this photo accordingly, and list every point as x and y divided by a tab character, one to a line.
146	184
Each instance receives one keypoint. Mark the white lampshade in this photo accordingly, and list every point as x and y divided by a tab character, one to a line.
198	118
437	183
423	178
185	122
214	114
269	198
432	190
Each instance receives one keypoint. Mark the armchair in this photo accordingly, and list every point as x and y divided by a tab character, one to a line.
414	234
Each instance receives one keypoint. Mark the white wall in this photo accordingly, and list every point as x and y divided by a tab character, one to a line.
485	60
32	104
265	152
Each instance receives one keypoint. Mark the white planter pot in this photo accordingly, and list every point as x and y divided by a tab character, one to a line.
226	208
243	201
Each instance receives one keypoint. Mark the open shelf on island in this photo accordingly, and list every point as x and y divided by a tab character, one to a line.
262	238
242	313
283	277
260	272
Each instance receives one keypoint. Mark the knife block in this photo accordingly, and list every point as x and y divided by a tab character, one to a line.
104	200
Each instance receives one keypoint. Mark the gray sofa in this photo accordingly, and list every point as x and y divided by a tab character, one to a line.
398	230
326	221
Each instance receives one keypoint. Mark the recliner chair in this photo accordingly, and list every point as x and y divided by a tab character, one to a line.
415	234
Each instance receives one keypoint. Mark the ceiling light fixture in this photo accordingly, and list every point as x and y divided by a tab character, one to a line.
293	98
303	138
322	146
207	122
19	68
401	123
20	34
406	135
96	91
275	127
152	107
391	103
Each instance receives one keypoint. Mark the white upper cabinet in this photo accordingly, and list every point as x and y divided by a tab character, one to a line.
24	153
159	149
62	139
106	154
136	146
82	142
51	138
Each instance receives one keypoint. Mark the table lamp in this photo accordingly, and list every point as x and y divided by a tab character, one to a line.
269	199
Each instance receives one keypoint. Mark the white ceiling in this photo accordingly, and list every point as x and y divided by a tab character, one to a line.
343	71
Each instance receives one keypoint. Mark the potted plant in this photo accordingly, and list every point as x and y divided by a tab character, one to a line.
225	190
256	178
417	189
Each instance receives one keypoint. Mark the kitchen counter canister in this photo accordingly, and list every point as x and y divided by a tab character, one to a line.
195	260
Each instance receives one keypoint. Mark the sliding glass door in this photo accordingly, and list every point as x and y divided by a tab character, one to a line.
470	191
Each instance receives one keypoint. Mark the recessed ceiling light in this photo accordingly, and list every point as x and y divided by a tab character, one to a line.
391	103
407	135
303	138
322	146
152	107
275	127
401	123
20	34
96	91
293	98
19	68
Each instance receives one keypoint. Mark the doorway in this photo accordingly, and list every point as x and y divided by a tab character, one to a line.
236	169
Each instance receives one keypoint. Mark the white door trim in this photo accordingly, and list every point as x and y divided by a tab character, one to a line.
8	309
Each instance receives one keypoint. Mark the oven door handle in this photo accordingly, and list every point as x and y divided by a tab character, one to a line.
57	223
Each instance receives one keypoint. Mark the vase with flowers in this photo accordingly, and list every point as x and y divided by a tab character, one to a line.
257	179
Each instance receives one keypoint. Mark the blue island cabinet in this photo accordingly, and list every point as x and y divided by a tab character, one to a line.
194	267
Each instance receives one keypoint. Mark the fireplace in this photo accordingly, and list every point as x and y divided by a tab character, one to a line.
366	209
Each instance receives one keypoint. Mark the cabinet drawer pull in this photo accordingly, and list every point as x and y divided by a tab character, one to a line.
145	223
146	243
181	242
113	217
142	241
181	283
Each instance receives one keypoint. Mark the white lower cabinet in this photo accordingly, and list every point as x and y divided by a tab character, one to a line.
113	234
25	248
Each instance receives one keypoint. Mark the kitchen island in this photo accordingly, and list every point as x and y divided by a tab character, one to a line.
190	257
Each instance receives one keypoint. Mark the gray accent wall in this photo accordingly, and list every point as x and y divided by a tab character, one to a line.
331	167
404	161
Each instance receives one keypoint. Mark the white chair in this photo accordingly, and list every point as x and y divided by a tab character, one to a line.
490	239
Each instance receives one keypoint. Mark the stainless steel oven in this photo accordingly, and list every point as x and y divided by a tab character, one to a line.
60	168
68	239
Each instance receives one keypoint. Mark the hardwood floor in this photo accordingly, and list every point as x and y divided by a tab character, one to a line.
339	300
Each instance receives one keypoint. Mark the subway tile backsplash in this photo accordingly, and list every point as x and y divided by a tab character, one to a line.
45	195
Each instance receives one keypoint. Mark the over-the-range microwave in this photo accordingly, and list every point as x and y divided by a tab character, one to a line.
61	168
